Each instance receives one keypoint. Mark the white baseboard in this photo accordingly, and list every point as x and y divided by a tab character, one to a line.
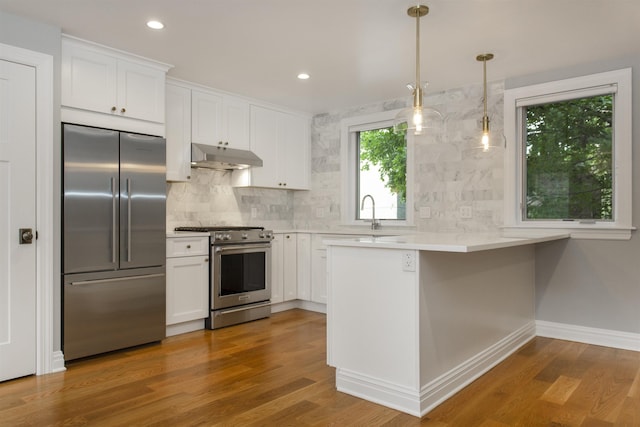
57	362
419	403
313	306
378	391
284	306
304	305
583	334
184	327
448	384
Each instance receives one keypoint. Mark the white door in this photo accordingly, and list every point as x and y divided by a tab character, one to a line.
17	211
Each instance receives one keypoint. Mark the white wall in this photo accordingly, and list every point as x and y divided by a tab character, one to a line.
592	283
38	37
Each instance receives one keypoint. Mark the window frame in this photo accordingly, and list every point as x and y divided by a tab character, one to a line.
619	83
348	145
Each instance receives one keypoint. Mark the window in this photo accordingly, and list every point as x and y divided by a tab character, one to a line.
374	162
568	159
569	155
381	172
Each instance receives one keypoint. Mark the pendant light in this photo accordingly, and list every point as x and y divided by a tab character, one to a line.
417	117
488	139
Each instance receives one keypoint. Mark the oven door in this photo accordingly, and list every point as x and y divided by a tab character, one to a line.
240	274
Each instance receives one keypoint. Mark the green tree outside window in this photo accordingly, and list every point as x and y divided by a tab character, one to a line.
569	160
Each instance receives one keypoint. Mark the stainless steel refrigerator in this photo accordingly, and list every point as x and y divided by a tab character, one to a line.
114	194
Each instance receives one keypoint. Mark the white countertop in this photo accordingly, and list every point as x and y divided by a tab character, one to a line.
446	242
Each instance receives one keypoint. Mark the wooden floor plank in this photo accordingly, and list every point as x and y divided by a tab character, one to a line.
273	372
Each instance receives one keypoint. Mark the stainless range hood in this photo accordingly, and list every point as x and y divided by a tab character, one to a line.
215	157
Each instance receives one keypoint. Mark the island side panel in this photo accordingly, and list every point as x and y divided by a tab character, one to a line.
373	317
470	302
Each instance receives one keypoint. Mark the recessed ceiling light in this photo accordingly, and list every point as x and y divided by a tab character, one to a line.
156	25
303	76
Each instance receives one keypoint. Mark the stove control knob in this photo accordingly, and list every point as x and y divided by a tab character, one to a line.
245	236
262	235
226	237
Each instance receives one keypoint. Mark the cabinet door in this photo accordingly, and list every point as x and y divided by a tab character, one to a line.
187	289
277	283
88	79
140	92
290	271
206	118
178	131
264	142
304	266
294	159
235	124
319	278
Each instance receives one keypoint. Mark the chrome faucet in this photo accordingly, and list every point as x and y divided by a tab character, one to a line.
375	224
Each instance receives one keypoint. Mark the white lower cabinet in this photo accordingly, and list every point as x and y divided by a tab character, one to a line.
299	266
303	263
319	265
318	269
283	267
187	279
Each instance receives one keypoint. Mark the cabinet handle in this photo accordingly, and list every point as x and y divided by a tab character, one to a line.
288	236
226	143
124	110
113	108
206	260
188	246
219	142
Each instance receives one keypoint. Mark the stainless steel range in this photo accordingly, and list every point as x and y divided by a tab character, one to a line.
240	276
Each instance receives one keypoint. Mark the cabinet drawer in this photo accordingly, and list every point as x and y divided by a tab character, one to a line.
187	246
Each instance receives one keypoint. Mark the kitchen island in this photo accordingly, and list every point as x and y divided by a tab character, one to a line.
413	319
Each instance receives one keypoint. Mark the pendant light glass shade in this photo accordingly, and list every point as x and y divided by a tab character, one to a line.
418	118
488	139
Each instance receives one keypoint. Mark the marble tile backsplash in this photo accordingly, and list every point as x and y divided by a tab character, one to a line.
209	199
448	175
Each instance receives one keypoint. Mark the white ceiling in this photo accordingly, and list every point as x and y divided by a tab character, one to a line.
357	51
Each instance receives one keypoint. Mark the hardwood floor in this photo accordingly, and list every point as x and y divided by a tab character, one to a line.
272	372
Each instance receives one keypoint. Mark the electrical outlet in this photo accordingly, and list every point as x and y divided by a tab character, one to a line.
254	212
425	212
466	212
408	261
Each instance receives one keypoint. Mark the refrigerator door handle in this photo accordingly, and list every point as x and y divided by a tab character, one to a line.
114	225
115	279
128	220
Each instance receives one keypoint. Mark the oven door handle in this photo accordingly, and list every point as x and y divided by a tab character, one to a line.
220	249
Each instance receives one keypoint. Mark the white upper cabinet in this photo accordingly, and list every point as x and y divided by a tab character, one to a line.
110	88
178	132
219	120
281	140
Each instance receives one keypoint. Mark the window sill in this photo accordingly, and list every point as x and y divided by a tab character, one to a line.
576	231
